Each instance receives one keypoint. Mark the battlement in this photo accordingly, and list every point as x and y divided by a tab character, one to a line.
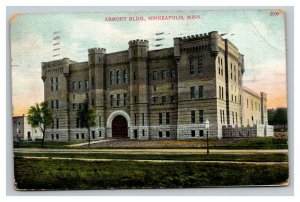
97	50
199	36
57	62
138	42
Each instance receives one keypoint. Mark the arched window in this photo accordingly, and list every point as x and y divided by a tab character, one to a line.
118	76
125	76
111	77
200	65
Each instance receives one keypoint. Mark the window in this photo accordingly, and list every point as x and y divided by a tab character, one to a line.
163	99
154	88
52	104
192	68
86	84
193	133
118	76
111	77
192	92
193	119
125	76
172	98
168	118
154	100
82	135
154	75
236	119
73	85
201	92
172	73
52	136
79	105
100	133
201	116
160	134
231	71
134	75
118	100
74	106
223	112
201	133
125	98
135	119
200	65
143	119
221	116
99	121
92	81
232	114
163	74
57	123
80	84
222	93
77	122
111	100
77	136
167	133
135	98
160	118
143	132
173	86
93	134
57	104
57	136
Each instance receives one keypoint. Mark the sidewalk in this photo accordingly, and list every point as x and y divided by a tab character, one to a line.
86	143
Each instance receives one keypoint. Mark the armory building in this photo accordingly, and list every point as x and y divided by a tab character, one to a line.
156	94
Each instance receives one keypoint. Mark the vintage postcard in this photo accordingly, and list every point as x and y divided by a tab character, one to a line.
156	99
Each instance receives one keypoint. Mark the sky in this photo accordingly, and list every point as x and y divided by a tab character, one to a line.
257	34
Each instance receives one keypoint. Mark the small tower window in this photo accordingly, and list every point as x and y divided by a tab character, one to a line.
111	77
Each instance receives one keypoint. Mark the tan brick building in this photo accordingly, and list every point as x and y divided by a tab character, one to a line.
156	94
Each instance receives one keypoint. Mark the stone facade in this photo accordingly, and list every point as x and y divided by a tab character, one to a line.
161	94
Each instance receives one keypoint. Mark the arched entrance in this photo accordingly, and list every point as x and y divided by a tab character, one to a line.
119	127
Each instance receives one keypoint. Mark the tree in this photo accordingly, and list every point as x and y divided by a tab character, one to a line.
87	118
40	116
280	117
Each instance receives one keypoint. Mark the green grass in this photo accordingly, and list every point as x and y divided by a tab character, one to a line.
72	174
260	143
267	157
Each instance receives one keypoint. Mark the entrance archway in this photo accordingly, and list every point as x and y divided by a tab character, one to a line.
109	124
119	127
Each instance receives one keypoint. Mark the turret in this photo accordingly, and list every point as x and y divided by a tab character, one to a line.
138	49
214	43
96	55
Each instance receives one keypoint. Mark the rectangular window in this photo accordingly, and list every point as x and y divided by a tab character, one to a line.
79	105
163	99
93	134
201	92
154	75
100	135
192	68
163	74
160	118
172	73
193	133
143	119
111	100
77	136
77	122
193	119
201	133
57	123
135	98
154	88
74	106
52	104
125	76
82	135
118	100
160	134
220	95
154	100
57	136
135	119
232	114
168	118
51	88
52	136
143	132
135	134
79	85
86	84
167	133
221	116
125	98
192	92
236	119
201	116
223	112
172	98
200	65
134	75
57	104
99	121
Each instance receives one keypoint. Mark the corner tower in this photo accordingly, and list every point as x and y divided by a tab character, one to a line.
138	55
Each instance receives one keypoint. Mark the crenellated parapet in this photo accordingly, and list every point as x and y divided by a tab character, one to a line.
97	51
96	55
197	43
139	42
56	66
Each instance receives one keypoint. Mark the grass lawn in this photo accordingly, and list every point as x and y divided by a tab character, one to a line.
72	174
250	143
267	157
